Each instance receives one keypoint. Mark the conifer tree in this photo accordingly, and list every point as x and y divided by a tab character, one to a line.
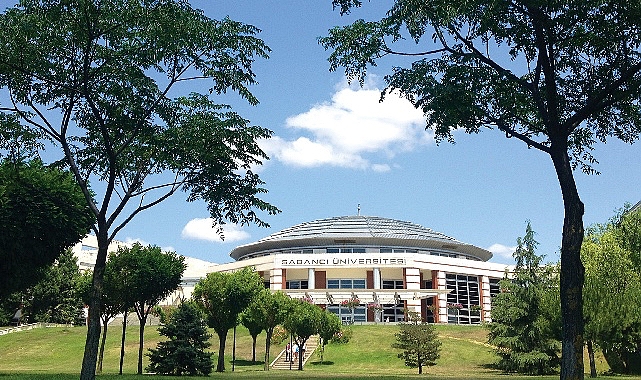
419	342
521	329
184	352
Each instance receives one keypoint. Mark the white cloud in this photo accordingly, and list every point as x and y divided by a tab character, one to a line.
503	251
350	127
203	229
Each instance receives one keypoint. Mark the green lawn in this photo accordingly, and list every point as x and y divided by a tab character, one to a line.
56	354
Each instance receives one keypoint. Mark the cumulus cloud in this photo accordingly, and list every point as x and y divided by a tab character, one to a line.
351	130
502	251
204	229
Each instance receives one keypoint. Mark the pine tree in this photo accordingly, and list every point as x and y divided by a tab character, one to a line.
522	329
420	343
184	352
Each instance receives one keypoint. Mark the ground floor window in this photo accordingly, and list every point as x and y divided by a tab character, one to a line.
463	300
347	315
393	313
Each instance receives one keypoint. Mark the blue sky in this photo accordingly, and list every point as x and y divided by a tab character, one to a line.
335	147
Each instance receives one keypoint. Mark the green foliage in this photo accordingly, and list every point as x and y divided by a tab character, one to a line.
146	276
164	312
55	299
558	76
279	335
303	320
329	325
184	352
343	336
223	296
107	83
522	330
251	318
267	312
42	213
612	292
419	342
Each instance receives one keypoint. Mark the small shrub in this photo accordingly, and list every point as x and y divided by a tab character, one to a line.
342	336
279	336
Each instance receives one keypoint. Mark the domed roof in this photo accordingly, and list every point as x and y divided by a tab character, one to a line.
358	230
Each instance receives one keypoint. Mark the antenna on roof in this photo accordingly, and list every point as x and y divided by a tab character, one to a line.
359	209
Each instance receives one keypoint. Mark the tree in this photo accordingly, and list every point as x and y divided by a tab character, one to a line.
42	213
55	298
251	319
612	294
419	342
558	76
520	329
223	296
303	320
148	275
97	79
184	352
330	325
271	309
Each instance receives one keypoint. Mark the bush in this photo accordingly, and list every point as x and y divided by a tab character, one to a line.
184	352
342	336
279	336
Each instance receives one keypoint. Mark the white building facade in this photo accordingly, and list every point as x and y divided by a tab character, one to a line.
372	269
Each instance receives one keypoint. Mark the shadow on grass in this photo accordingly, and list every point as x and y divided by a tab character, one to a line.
247	363
319	363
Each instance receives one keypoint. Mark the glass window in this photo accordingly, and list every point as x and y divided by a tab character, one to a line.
464	292
297	284
346	283
332	250
386	250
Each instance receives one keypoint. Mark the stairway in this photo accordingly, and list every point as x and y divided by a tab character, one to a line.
280	363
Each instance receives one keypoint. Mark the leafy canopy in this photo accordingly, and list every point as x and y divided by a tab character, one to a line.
42	213
223	296
542	72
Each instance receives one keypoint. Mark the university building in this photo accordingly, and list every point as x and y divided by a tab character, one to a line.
371	269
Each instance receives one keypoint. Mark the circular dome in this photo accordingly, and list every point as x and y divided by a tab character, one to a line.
362	231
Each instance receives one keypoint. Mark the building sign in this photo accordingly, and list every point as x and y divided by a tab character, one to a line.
347	260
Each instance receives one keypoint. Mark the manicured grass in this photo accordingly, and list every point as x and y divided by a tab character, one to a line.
56	354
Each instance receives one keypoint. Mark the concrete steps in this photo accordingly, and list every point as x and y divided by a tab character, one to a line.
280	363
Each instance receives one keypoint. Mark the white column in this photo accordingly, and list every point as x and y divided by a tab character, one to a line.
442	298
276	279
377	278
413	282
486	302
311	279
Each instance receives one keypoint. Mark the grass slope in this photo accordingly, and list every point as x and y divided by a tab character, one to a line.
56	354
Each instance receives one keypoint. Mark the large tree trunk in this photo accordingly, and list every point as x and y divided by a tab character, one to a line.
572	270
88	371
222	337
